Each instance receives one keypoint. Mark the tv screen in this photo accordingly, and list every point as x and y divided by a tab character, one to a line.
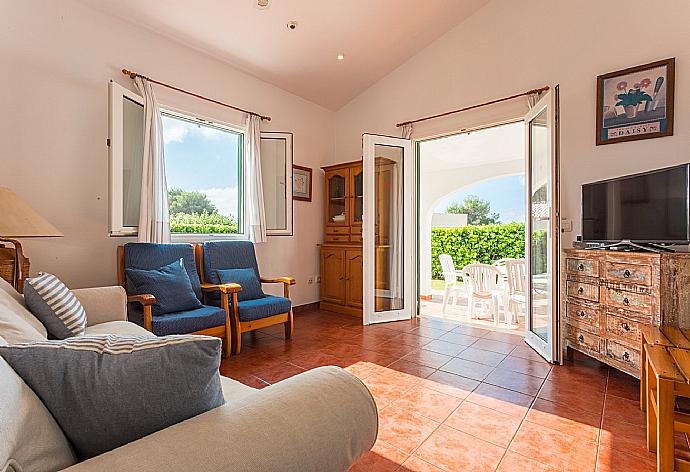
649	207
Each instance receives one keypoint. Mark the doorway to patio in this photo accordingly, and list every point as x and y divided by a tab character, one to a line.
472	228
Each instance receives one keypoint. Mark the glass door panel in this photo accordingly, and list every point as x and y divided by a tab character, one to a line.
388	225
357	195
542	238
336	205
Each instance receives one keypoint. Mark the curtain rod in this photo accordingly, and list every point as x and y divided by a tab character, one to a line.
132	75
529	92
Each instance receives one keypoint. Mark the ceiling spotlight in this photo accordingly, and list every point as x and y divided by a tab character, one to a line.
263	4
341	56
292	25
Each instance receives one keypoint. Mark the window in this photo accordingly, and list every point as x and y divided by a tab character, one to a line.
203	169
276	177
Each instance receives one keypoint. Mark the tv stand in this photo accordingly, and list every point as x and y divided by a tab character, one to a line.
651	247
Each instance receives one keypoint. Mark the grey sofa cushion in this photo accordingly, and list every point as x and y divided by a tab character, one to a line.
106	391
55	305
30	439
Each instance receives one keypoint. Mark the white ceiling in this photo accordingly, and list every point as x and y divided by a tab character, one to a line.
376	36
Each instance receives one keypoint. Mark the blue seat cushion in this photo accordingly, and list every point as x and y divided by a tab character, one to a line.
264	307
189	321
170	285
251	287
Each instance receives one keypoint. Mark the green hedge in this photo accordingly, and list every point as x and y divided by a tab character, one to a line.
204	223
484	244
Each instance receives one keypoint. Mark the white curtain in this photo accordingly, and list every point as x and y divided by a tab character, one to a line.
154	218
254	195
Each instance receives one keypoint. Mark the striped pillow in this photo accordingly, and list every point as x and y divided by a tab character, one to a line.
55	306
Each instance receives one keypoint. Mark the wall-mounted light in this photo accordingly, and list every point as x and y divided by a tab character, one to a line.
340	56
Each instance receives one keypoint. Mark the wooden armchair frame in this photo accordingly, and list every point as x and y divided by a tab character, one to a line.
238	327
146	300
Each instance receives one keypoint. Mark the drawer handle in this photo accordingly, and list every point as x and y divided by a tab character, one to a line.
626	274
625	326
626	356
581	313
581	267
580	290
581	338
626	302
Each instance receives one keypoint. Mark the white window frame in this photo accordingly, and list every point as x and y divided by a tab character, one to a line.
115	152
288	230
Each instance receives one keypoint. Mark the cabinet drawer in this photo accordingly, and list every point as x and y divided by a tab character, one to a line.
627	330
582	314
629	273
582	290
337	229
586	267
623	354
336	238
357	229
638	302
584	339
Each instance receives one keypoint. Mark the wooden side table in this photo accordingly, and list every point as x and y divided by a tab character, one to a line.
667	336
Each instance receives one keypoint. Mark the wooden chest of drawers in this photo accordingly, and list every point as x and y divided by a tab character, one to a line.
608	295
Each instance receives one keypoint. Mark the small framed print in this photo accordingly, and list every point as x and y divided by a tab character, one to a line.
636	103
301	183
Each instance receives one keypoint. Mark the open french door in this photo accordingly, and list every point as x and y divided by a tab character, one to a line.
388	229
542	243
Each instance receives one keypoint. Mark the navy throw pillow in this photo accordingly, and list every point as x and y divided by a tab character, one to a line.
105	391
251	287
170	285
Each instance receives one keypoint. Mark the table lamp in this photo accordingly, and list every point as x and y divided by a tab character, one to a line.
18	220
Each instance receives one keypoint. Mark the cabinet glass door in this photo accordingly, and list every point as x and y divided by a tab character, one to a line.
357	195
542	230
388	225
337	199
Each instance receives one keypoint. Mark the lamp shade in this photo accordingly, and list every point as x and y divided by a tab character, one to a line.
19	220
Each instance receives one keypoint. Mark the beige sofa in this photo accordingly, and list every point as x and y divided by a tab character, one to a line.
322	420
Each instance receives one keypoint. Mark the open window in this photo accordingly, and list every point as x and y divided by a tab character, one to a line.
276	176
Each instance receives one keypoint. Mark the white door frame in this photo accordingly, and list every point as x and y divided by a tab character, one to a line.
549	349
409	269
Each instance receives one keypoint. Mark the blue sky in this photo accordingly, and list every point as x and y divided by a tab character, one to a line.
202	158
506	196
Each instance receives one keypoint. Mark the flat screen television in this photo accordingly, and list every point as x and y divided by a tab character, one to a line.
651	207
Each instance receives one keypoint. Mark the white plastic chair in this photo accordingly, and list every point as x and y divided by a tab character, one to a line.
516	300
501	265
450	276
483	284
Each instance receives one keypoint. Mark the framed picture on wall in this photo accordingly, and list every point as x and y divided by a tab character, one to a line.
301	183
636	103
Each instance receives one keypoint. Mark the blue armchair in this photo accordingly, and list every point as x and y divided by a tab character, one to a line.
247	313
206	319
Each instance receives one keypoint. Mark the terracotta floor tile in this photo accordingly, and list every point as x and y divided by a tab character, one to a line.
611	460
404	429
415	464
453	450
522	383
450	384
429	403
566	419
513	462
573	395
622	409
471	331
624	437
393	348
495	346
427	358
623	385
483	357
413	339
525	366
362	369
444	347
458	338
505	337
526	352
438	323
386	389
554	448
277	372
382	458
251	381
485	423
469	369
584	379
501	399
412	368
312	360
429	332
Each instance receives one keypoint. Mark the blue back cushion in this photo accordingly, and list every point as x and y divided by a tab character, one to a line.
149	256
170	285
219	255
251	287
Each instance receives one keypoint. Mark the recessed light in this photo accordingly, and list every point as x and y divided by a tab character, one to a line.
262	4
292	25
341	56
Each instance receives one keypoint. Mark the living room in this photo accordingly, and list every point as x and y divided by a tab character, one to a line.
348	91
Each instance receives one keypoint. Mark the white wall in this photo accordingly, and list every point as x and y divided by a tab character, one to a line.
511	46
57	58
